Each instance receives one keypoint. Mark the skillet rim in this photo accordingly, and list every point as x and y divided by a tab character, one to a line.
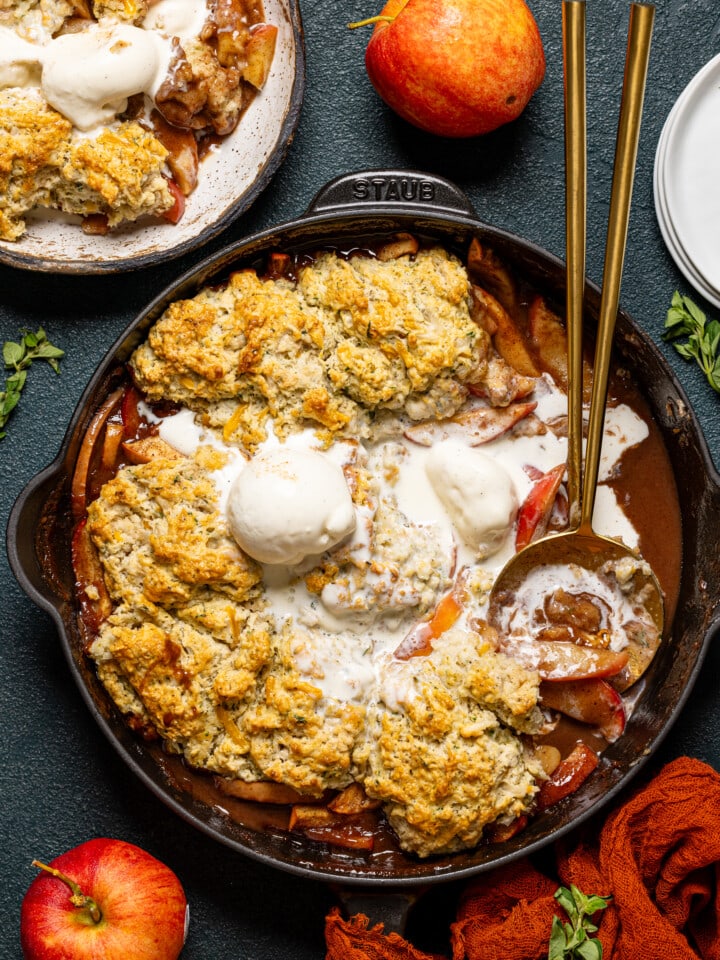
326	221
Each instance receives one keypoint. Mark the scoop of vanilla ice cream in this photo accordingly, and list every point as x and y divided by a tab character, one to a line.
476	491
287	505
88	76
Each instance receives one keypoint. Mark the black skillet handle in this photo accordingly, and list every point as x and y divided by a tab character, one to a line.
382	191
24	532
388	907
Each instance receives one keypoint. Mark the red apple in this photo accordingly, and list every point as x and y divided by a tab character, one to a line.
457	68
103	900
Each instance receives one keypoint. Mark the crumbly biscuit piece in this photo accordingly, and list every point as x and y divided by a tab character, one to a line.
119	173
34	19
131	11
34	141
298	736
443	764
161	539
405	567
184	683
350	338
181	652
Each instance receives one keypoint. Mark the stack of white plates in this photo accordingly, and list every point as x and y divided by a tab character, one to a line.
687	182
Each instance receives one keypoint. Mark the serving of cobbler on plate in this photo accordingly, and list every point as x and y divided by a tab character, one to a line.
118	120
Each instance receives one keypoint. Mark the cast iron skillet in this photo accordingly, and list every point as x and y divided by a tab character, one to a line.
346	210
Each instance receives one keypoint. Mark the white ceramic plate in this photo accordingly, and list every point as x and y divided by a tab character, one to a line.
667	229
687	181
230	179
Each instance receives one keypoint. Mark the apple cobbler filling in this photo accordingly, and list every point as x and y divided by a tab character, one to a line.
296	513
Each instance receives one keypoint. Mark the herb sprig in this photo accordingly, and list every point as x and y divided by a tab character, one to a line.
19	357
686	319
572	941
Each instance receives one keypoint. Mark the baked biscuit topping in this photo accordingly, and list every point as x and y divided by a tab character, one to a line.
349	341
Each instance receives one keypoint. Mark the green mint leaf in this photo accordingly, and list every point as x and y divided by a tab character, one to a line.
596	903
12	353
558	941
579	898
566	900
712	329
714	376
685	319
572	941
10	402
16	381
695	312
19	357
590	950
45	350
686	350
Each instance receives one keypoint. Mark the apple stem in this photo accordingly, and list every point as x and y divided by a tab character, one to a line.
364	23
78	898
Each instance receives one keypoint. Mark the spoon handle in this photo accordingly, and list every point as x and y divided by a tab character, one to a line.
636	64
573	22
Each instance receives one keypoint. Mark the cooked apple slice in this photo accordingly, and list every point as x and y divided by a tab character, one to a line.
534	512
593	702
568	777
87	569
111	444
231	32
501	383
150	448
259	53
418	643
563	661
402	245
183	158
492	274
260	791
352	800
129	412
81	474
321	824
501	832
508	339
476	426
549	337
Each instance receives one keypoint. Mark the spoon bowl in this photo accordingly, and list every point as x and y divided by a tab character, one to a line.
578	553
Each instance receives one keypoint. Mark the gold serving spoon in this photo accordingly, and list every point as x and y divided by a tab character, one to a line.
581	545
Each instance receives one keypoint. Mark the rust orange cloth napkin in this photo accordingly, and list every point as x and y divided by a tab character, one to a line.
658	855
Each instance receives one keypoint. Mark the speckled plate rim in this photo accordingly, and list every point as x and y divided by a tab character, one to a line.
13	254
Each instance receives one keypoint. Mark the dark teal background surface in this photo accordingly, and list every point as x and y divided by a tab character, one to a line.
60	784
